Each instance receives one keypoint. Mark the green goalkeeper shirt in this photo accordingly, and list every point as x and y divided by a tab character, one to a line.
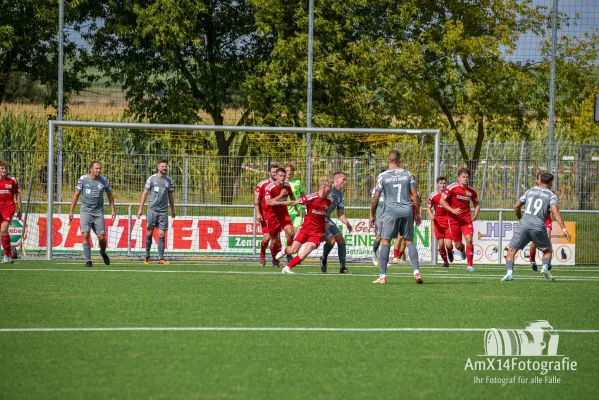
297	187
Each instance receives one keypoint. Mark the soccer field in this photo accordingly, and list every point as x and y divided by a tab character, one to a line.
231	330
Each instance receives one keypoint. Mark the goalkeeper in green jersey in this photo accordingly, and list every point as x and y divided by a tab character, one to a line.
297	187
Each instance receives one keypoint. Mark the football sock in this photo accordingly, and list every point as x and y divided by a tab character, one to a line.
384	259
263	246
161	247
102	246
326	250
6	246
399	254
509	266
278	246
396	253
443	254
413	253
273	249
546	263
87	252
148	245
296	260
375	246
470	254
533	256
342	254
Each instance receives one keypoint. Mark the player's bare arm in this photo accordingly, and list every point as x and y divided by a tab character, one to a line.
74	201
171	202
343	218
430	214
518	209
446	206
19	205
296	202
560	221
416	200
373	205
476	211
259	217
110	197
144	196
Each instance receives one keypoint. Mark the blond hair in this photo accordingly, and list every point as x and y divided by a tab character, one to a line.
325	182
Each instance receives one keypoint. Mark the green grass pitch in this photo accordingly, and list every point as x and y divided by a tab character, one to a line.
263	358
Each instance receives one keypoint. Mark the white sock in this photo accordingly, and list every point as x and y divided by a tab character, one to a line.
416	272
383	276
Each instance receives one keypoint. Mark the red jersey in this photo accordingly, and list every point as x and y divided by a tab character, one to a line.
434	203
270	192
459	197
316	206
9	188
259	192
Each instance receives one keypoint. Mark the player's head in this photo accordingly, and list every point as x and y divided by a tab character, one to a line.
95	168
325	187
441	183
393	159
272	171
280	175
3	169
339	179
464	175
162	167
546	179
289	169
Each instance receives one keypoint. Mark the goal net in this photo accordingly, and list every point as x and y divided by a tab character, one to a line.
214	173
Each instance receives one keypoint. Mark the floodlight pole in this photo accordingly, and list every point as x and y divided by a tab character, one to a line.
552	86
59	110
309	99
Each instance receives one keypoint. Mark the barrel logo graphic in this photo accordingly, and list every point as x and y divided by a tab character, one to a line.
15	231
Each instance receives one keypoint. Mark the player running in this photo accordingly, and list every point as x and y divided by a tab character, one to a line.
9	191
396	184
332	233
440	223
380	208
261	212
312	230
277	220
91	188
162	194
456	199
539	201
548	225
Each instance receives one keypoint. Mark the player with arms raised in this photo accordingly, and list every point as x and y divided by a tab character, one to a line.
456	199
440	224
313	227
396	184
9	191
261	212
91	188
539	201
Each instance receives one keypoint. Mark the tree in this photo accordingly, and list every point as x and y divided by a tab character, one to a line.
176	58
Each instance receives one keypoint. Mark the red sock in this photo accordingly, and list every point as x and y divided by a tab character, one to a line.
289	241
263	246
296	260
278	248
396	253
470	255
533	256
6	246
399	254
443	253
273	250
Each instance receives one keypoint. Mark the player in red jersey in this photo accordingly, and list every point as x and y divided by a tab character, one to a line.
261	210
456	199
277	216
9	190
312	230
440	223
400	243
548	226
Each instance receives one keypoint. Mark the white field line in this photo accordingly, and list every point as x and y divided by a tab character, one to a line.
267	329
448	276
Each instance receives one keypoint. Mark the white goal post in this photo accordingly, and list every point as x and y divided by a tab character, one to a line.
56	163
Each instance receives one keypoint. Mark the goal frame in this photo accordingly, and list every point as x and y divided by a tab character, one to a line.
57	125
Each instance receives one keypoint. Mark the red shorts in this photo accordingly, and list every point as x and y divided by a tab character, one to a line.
6	212
548	221
441	229
459	228
276	223
304	236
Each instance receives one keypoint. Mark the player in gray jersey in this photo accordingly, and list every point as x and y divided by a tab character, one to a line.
332	233
91	188
396	184
161	189
538	201
378	224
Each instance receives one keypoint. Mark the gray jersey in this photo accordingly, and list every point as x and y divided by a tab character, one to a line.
337	202
159	189
380	208
92	193
537	203
396	185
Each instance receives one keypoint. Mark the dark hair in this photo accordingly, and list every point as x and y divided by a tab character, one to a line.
273	165
546	178
465	171
337	173
281	170
162	161
394	157
91	164
4	164
441	178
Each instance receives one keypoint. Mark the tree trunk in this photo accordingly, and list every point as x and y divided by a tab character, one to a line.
480	137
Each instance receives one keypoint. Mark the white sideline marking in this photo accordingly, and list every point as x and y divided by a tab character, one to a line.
299	273
268	329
